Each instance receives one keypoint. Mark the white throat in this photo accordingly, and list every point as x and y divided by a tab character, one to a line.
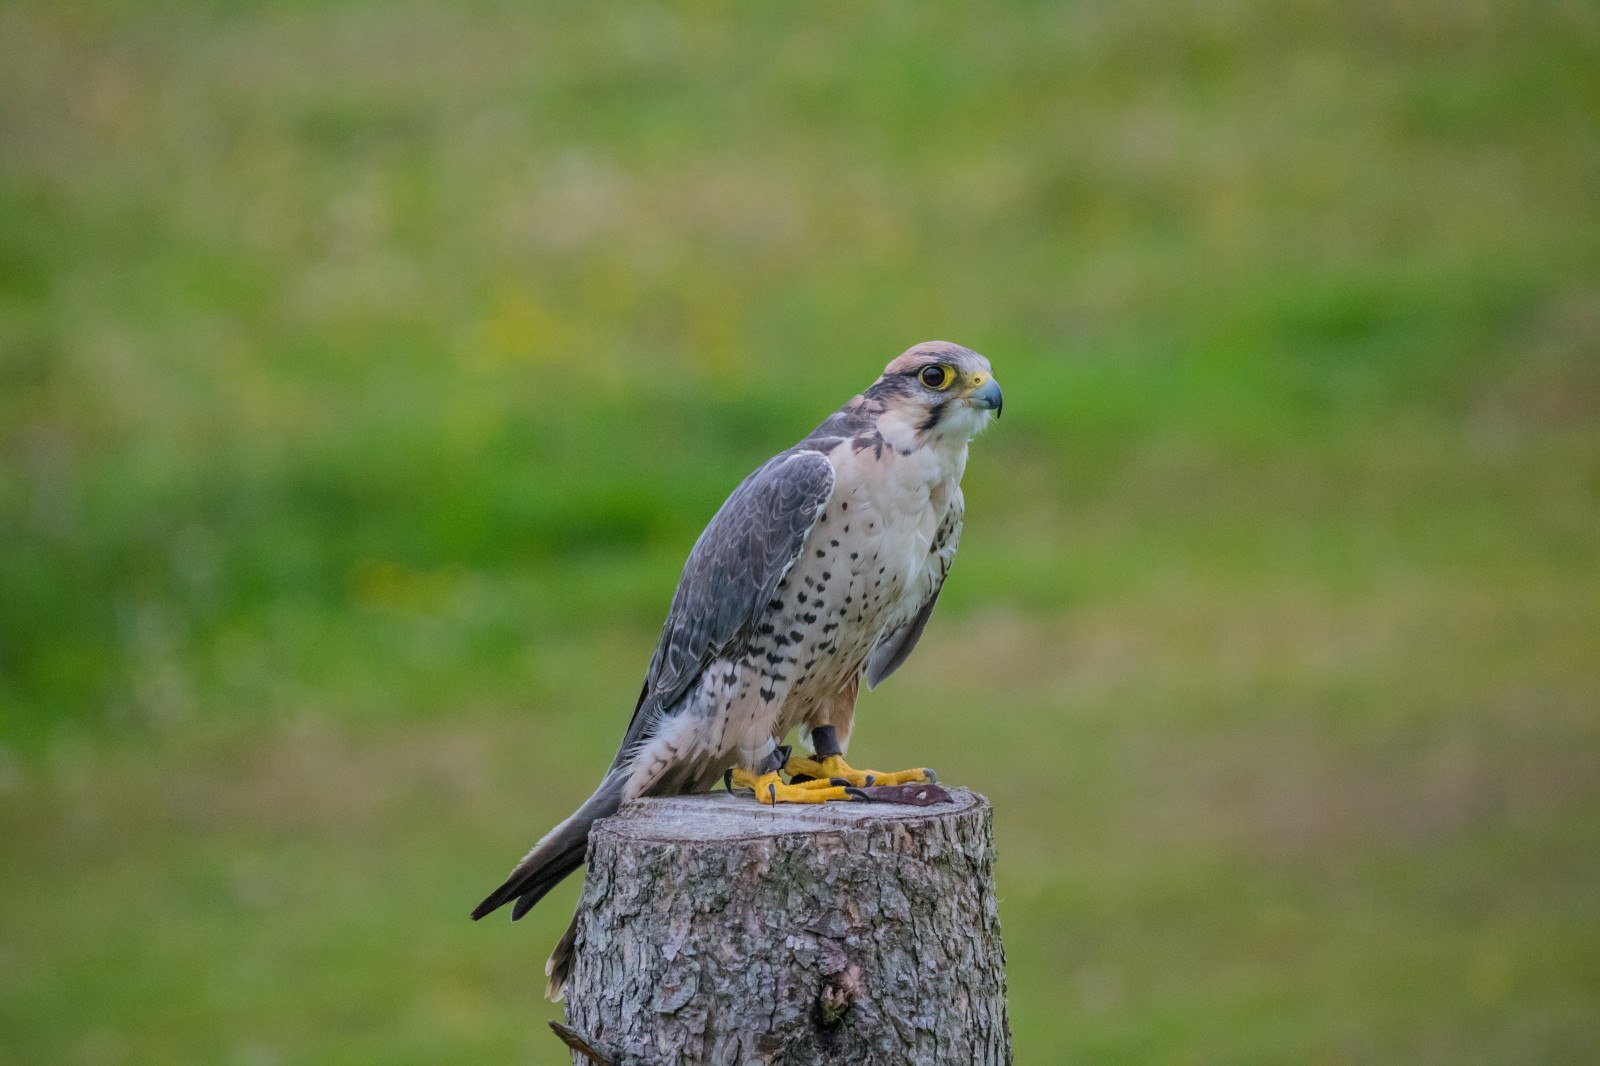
949	436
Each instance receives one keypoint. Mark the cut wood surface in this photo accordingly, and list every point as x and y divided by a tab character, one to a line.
716	930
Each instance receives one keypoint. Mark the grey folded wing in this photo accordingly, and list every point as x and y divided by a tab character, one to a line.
732	574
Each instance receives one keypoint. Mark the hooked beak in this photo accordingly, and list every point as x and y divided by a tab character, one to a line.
986	396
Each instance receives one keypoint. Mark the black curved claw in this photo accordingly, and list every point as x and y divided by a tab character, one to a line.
856	794
727	779
933	778
840	781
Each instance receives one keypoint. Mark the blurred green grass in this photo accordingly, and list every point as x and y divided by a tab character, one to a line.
367	370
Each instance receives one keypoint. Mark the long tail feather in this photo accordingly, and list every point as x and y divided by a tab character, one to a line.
559	967
556	856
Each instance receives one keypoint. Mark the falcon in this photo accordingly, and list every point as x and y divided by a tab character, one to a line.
820	569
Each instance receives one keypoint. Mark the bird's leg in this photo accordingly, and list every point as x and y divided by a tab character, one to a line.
828	769
769	787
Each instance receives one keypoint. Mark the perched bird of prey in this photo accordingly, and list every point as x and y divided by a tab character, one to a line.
822	566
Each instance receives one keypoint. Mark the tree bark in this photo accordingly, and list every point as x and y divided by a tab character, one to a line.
715	930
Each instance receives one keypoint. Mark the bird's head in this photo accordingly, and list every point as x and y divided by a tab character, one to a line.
938	391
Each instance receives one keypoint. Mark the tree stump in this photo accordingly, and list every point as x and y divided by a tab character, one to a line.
715	930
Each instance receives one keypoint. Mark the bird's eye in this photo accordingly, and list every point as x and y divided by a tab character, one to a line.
935	377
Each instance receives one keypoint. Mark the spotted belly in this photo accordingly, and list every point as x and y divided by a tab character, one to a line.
853	581
861	573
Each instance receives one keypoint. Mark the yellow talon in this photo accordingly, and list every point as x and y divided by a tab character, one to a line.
832	769
770	788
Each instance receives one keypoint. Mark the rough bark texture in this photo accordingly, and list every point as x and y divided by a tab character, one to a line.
715	930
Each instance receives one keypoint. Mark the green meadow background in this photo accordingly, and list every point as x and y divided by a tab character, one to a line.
366	371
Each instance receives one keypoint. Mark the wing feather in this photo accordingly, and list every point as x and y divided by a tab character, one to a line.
896	646
732	574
